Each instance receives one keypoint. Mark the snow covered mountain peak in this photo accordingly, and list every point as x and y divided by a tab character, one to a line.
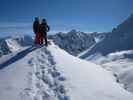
23	40
14	43
74	32
121	38
73	42
125	27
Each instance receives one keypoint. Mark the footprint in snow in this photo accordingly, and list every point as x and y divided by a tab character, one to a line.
61	78
30	62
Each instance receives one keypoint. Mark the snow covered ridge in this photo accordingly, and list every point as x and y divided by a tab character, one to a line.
52	74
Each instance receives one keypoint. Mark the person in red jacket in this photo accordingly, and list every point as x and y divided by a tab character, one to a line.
44	28
36	29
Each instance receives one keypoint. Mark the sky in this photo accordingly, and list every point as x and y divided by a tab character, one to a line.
16	16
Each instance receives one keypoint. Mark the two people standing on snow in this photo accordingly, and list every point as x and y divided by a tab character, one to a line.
40	30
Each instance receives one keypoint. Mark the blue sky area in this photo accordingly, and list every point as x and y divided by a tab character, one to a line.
16	16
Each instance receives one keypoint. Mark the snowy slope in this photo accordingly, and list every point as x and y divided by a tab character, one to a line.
53	74
120	63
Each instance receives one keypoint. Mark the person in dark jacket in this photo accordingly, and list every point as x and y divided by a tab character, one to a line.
36	27
44	28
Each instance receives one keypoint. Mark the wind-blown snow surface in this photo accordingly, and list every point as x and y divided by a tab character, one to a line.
52	74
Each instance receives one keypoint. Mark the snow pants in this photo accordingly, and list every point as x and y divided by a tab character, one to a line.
44	36
38	38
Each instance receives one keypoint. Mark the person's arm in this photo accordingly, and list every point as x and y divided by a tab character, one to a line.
48	28
33	26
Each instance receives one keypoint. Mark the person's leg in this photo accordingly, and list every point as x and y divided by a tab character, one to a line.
41	39
45	37
37	38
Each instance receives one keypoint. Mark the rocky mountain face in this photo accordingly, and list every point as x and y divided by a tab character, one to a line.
3	48
73	42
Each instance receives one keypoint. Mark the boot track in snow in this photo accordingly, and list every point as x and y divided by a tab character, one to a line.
44	81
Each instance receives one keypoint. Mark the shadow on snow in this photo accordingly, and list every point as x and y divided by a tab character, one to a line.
17	57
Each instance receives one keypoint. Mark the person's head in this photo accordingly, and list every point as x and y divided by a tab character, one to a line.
36	19
44	20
